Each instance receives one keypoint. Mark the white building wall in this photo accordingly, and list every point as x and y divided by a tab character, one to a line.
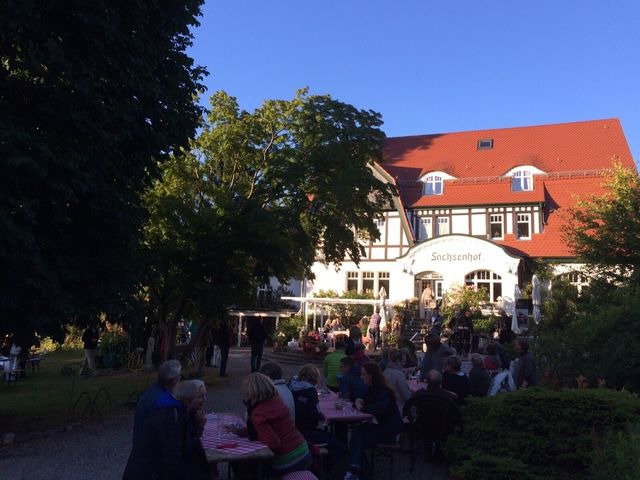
460	223
479	224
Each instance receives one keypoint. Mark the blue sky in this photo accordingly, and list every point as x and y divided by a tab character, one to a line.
433	66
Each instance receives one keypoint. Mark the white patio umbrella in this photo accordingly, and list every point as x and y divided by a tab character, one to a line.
514	318
536	298
383	308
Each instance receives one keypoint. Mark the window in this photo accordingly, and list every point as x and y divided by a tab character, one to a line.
485	144
379	222
367	282
433	185
425	230
352	281
443	226
523	226
576	279
522	181
495	226
485	280
383	281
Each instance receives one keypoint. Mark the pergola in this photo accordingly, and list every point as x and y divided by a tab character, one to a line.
315	301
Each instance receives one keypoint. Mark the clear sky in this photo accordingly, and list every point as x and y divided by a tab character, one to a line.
433	66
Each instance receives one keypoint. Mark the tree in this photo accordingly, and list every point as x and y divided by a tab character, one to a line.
262	195
93	98
604	230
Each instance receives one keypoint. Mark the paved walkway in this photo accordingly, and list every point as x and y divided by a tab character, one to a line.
99	451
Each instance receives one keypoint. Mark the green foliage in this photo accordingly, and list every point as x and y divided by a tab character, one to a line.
93	97
604	230
617	455
562	307
72	338
254	197
350	314
484	324
481	466
602	343
461	298
550	432
289	328
114	349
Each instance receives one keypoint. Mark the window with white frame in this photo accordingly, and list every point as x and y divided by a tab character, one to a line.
425	230
433	185
368	279
487	281
384	281
443	226
379	222
576	279
352	281
522	181
495	225
523	226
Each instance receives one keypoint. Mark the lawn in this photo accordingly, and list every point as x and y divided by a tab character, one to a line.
44	399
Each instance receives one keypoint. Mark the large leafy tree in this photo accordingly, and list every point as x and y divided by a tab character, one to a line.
604	230
259	195
93	97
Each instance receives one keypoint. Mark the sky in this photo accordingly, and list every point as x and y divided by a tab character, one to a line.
433	66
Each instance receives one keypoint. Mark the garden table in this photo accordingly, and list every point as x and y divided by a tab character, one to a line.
346	413
224	446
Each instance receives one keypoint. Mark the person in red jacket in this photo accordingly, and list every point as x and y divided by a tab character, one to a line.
270	422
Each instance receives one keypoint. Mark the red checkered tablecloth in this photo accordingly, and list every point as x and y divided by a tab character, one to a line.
214	437
327	404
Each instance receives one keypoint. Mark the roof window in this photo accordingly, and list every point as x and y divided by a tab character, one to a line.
485	144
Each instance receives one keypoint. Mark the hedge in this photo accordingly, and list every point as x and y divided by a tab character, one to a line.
536	433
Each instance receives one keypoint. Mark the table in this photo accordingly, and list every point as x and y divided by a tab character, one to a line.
327	404
220	446
415	385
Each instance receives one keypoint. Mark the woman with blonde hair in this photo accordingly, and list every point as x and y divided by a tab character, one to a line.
269	421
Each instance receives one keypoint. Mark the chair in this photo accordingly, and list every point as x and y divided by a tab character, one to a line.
432	417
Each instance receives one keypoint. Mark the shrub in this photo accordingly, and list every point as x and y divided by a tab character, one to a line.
113	348
618	455
552	433
289	328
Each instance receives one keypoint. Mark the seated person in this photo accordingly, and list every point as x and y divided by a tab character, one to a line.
479	377
380	402
492	361
269	421
337	326
169	443
454	380
274	372
359	356
396	377
308	414
351	384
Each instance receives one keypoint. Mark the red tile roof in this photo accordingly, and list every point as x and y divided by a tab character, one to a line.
552	148
572	155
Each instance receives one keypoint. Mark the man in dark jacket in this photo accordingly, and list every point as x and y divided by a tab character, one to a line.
257	334
90	339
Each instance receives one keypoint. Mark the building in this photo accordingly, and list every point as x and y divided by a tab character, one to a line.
479	208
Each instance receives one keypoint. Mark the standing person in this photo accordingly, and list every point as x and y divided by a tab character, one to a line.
396	377
525	374
374	330
436	321
380	402
168	377
274	372
169	445
223	338
90	339
332	366
432	359
257	334
269	421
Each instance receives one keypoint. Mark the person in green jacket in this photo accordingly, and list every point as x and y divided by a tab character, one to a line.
332	366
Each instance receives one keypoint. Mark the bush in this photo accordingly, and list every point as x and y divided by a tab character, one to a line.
113	348
552	433
618	455
289	328
489	467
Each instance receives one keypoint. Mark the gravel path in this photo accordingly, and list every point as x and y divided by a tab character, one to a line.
99	451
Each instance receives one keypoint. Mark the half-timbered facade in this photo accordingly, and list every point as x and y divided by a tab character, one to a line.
478	207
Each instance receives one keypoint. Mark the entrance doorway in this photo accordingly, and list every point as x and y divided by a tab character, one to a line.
428	289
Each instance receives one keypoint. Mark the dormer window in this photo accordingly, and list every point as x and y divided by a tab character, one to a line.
522	181
433	185
485	144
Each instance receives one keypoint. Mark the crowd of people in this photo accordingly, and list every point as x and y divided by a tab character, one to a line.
285	415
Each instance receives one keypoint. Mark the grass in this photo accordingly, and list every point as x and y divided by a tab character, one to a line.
43	399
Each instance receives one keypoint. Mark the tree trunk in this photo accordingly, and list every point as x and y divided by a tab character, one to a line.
170	326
